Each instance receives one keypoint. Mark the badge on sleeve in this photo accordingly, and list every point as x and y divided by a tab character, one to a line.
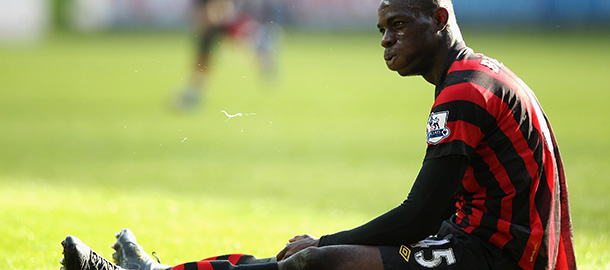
437	129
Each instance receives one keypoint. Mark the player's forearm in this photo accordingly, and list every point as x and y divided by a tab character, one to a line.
418	216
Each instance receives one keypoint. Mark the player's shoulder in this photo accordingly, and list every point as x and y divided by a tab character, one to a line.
467	79
474	68
476	62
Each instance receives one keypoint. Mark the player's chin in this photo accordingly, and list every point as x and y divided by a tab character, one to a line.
400	69
408	70
404	72
393	67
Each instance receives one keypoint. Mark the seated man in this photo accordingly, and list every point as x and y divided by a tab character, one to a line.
491	188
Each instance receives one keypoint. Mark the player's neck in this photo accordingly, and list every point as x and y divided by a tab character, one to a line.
441	56
437	67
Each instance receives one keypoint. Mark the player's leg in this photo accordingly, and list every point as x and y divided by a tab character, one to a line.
343	257
267	36
224	265
192	93
130	255
209	18
208	22
340	257
239	259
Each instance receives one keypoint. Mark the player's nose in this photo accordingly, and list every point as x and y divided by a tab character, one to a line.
388	39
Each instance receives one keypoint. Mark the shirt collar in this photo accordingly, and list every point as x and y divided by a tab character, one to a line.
457	52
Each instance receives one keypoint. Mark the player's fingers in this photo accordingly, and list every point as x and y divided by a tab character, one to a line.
289	250
294	239
285	252
282	255
299	237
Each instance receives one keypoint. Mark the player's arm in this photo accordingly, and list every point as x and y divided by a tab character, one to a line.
420	215
428	204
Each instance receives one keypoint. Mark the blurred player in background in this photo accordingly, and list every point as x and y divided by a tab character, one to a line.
255	22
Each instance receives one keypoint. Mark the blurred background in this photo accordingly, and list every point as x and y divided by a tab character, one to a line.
299	130
31	19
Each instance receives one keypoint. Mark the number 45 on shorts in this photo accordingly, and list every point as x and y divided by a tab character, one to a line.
438	254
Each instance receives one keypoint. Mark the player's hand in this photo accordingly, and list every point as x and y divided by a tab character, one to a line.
297	244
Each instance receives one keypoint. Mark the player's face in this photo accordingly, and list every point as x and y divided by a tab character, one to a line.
408	38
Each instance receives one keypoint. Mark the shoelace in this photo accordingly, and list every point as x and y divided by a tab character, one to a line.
97	262
154	253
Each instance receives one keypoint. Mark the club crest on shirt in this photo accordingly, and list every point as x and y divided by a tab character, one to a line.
437	129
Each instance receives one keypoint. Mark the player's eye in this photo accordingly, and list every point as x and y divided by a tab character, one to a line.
398	23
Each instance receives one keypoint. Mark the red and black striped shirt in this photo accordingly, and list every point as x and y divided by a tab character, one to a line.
514	192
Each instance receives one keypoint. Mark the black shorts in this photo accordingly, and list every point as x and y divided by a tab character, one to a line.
451	248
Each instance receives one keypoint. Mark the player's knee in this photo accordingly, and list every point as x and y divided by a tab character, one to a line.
311	258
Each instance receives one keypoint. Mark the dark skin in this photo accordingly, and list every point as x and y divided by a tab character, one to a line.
415	44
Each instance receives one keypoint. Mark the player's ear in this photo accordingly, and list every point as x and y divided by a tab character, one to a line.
441	18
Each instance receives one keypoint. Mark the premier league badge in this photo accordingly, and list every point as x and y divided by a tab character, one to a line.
437	129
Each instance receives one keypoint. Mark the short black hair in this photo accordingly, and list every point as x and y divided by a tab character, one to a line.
427	7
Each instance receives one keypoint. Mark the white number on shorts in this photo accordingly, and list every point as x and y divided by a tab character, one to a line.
437	257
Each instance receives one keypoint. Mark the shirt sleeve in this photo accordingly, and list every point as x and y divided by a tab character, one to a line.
430	202
457	121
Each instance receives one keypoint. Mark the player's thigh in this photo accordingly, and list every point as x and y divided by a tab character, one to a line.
431	253
354	257
448	252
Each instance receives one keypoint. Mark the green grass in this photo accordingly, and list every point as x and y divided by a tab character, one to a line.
90	146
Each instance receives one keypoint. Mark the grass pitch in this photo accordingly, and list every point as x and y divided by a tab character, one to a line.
89	143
